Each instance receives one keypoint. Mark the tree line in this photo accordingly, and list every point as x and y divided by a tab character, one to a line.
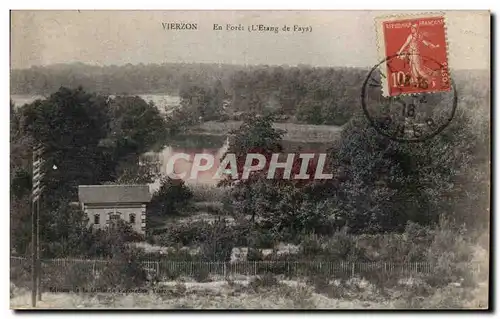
304	94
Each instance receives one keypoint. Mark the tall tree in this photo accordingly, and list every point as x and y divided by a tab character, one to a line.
70	125
135	126
384	183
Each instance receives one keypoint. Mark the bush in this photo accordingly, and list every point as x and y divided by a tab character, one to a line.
77	277
219	234
261	239
254	255
171	199
450	255
207	193
343	246
20	274
201	274
320	282
265	281
380	279
183	234
448	297
311	246
300	296
107	242
180	289
124	272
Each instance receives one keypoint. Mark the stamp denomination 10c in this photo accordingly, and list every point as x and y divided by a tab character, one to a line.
419	47
409	95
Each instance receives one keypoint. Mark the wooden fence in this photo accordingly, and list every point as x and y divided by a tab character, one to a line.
292	269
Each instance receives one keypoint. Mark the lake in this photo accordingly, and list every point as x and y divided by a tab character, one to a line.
162	101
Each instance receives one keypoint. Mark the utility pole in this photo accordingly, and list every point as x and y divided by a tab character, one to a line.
35	223
33	255
38	248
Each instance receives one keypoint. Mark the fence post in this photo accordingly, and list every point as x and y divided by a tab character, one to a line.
352	273
225	270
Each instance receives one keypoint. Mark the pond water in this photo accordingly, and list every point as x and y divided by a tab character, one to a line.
162	101
215	145
20	100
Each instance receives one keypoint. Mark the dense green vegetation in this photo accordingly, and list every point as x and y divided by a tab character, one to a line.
91	140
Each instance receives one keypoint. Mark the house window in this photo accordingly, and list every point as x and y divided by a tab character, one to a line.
97	219
132	218
114	217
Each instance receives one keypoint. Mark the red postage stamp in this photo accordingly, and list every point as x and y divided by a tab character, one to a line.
415	54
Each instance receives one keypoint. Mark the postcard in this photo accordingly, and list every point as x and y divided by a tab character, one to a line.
250	159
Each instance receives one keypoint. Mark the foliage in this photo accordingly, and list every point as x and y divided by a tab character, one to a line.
283	206
170	199
450	253
110	241
135	126
218	242
261	238
376	178
254	255
207	193
254	135
135	169
124	273
265	281
70	125
75	277
215	240
202	275
68	235
202	104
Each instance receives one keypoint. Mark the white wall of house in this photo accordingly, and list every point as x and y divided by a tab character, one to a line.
104	211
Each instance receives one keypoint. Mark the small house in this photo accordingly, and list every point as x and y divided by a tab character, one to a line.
104	204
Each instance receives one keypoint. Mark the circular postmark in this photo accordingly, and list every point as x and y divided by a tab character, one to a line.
417	107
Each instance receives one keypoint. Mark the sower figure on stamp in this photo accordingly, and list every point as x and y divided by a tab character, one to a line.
419	72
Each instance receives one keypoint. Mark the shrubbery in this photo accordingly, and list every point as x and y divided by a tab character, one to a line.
171	199
265	281
122	273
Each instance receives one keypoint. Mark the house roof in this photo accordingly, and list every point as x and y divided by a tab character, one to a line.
113	194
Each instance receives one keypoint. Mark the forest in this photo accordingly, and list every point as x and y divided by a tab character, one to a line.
302	94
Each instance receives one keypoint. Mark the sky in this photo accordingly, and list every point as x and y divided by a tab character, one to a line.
338	38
